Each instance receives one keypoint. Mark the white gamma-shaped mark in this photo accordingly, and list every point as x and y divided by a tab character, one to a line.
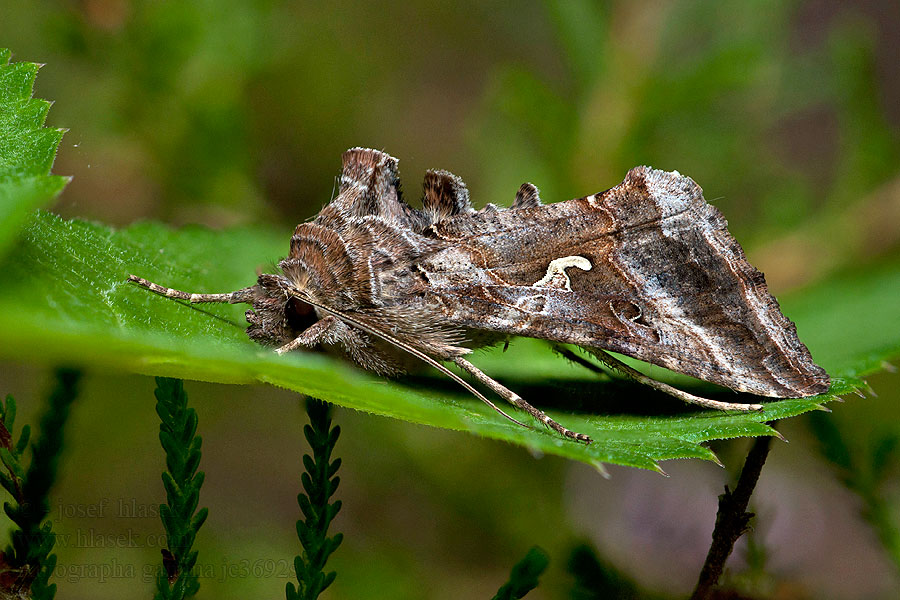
558	267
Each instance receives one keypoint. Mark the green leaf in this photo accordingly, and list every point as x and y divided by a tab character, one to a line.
10	461
595	578
24	437
524	575
63	297
9	413
27	149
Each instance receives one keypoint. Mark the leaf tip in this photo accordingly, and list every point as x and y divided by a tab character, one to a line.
536	452
600	468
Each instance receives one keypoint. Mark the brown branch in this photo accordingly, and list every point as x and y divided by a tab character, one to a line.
732	519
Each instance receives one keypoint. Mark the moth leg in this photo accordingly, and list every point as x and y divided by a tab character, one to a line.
517	400
236	297
316	333
618	365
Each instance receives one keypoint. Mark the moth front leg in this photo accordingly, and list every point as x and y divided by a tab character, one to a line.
518	401
322	330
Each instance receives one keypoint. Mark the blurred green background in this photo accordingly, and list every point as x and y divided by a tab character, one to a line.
786	113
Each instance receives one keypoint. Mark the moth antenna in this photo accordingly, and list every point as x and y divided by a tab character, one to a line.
618	365
407	348
244	296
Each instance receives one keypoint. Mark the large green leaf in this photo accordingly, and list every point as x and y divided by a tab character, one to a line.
63	297
27	149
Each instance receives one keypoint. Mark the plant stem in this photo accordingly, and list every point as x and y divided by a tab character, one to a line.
29	553
178	436
319	483
732	518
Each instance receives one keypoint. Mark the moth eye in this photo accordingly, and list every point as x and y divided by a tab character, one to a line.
298	314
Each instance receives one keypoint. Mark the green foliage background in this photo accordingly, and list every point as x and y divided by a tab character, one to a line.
234	115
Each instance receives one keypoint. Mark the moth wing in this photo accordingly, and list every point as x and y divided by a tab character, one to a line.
647	269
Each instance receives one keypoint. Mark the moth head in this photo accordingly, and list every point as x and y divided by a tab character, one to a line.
278	313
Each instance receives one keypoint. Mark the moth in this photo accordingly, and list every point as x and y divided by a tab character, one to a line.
647	269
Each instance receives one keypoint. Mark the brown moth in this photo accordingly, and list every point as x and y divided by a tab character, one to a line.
647	269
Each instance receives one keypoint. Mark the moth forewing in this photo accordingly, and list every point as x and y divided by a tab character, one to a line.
646	269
